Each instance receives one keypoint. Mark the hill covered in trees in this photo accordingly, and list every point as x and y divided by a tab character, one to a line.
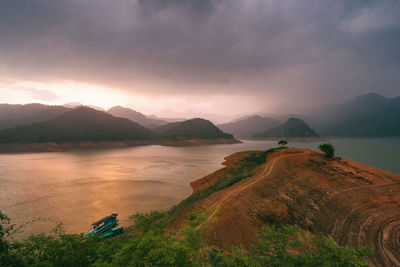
79	125
20	115
194	128
292	128
85	127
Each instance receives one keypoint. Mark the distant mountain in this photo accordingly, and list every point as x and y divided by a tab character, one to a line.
194	128
369	115
19	115
245	128
213	117
79	125
72	105
292	128
168	120
11	112
135	116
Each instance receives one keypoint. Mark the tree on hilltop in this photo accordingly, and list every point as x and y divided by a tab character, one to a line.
282	143
328	149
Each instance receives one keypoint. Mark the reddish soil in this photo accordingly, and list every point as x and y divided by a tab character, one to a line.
354	203
230	162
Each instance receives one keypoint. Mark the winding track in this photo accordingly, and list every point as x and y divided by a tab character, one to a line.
267	170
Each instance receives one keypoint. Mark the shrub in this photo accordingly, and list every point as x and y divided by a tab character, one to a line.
282	142
328	149
146	221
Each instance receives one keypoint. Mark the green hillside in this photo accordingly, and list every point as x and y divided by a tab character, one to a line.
194	128
79	125
21	115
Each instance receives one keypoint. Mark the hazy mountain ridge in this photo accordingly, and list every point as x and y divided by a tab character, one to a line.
292	128
79	125
73	105
151	123
247	127
85	127
20	115
171	115
12	112
369	115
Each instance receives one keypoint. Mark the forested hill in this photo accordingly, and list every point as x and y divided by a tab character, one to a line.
79	125
20	115
194	128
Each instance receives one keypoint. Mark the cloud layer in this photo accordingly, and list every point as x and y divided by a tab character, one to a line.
293	51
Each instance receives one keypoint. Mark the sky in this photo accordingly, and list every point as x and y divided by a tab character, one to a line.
185	57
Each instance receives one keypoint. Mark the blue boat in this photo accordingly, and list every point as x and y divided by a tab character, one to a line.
114	232
103	225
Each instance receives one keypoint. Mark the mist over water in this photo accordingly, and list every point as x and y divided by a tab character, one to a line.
79	187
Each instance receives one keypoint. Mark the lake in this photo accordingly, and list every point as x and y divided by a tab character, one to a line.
79	187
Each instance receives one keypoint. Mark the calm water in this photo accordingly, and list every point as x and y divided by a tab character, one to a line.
79	187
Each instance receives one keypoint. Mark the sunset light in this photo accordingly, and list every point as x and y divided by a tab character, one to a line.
199	133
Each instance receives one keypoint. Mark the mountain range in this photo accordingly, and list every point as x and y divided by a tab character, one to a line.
84	124
135	116
18	115
79	125
369	115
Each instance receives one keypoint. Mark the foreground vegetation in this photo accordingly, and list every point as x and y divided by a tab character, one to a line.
148	244
148	241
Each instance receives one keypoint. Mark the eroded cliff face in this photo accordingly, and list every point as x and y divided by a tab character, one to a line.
354	203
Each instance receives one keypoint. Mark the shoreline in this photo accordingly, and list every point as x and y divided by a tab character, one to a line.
293	139
200	142
64	147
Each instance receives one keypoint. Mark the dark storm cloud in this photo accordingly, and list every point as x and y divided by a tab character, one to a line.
196	7
318	48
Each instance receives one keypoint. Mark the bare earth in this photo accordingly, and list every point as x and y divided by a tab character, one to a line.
354	203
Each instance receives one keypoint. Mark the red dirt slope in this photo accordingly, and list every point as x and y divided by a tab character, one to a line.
355	204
